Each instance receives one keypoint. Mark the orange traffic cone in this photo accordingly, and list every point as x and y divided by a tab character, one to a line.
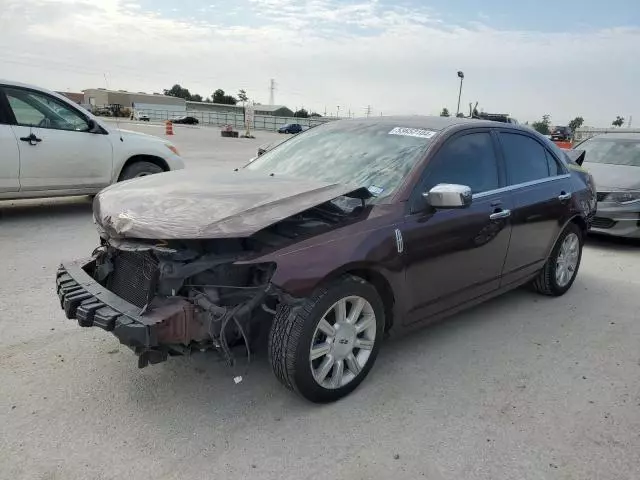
168	127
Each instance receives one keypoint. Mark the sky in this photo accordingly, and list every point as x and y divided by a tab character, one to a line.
563	58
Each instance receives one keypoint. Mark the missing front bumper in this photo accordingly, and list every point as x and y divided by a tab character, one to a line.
168	326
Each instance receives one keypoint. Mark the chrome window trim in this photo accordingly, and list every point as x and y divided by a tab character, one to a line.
520	185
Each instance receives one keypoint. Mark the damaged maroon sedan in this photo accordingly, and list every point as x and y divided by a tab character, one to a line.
338	235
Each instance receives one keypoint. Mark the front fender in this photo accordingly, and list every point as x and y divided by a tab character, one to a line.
129	148
300	271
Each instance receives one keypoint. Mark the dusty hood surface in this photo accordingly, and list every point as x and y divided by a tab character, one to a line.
610	177
207	203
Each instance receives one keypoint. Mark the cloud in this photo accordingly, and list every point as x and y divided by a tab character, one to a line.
324	53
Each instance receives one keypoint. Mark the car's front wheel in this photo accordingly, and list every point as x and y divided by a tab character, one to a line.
562	266
139	169
324	348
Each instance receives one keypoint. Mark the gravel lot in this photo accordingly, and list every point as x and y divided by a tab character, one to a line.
523	387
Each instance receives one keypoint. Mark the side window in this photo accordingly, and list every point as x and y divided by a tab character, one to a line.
40	110
467	160
552	163
525	159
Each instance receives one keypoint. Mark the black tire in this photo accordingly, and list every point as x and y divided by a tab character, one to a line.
292	332
545	283
139	169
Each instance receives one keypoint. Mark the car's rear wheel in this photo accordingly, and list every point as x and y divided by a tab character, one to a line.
139	169
325	348
562	266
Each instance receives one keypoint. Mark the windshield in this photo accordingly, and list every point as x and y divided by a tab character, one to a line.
614	151
369	155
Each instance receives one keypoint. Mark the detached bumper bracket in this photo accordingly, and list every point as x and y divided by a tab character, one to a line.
84	299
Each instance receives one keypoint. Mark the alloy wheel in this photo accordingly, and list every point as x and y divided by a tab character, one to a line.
567	261
342	342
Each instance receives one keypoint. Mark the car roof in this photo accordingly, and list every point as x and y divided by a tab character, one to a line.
619	135
431	122
20	84
11	83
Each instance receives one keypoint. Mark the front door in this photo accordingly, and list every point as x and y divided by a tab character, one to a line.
541	190
9	160
57	151
453	256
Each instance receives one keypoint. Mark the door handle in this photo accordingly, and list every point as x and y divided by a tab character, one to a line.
31	139
564	196
500	214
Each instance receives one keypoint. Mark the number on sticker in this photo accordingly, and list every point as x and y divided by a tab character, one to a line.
412	132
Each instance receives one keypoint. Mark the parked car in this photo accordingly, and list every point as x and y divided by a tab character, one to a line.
357	228
290	128
562	134
188	120
103	112
143	117
52	147
614	161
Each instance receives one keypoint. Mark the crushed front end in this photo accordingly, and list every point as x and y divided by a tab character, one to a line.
170	298
181	262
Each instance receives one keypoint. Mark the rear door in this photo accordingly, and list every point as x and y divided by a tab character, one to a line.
57	151
455	255
541	188
9	153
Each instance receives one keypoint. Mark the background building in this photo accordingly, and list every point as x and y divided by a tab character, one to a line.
207	107
139	101
74	96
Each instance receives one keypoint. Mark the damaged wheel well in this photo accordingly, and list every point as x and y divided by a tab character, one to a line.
384	290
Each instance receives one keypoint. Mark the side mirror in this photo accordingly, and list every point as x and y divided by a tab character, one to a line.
446	195
575	155
92	125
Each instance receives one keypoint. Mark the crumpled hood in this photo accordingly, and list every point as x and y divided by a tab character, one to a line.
610	177
208	203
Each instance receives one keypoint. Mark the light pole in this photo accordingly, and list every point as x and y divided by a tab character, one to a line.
338	114
461	76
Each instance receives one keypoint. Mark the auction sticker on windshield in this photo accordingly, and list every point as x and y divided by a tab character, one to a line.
412	132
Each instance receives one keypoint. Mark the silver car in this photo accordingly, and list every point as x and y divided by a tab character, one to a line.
614	161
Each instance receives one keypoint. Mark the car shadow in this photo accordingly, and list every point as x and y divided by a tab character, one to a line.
612	243
35	209
203	382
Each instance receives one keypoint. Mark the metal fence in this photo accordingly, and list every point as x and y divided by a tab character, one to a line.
260	122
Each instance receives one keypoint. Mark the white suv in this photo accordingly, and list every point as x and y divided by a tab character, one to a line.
49	146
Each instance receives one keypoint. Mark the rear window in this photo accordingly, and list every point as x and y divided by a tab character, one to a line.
613	151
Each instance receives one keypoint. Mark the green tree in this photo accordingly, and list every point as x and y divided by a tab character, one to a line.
178	91
618	122
445	112
220	97
315	114
196	98
302	113
576	123
242	96
543	126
